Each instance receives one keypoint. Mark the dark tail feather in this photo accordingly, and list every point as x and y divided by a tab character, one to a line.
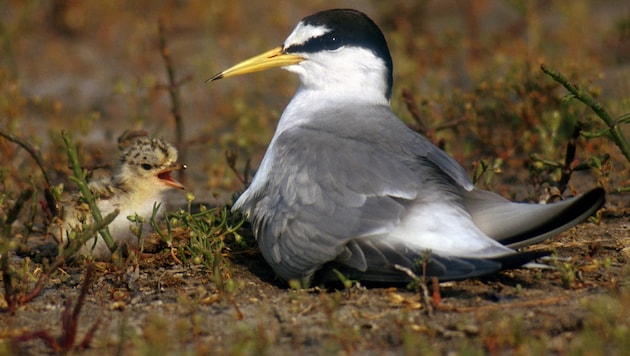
517	225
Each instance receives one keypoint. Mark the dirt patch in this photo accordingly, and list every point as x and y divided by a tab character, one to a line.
475	66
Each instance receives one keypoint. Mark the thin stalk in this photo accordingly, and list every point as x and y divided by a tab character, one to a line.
32	151
80	180
173	91
613	128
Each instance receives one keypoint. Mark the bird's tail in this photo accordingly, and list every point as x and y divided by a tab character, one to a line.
517	225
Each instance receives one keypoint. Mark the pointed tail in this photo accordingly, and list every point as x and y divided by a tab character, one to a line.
517	224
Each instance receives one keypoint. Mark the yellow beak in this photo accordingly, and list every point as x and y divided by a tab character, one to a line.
270	59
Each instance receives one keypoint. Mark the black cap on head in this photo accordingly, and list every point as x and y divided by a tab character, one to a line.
347	28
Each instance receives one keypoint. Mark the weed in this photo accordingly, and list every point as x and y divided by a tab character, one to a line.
69	322
607	326
66	252
471	90
252	339
80	178
346	282
9	215
419	283
506	334
207	232
613	125
567	271
485	170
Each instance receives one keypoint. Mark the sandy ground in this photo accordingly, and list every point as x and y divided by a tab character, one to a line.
98	77
169	308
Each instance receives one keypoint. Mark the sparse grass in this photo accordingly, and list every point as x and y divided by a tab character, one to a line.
206	230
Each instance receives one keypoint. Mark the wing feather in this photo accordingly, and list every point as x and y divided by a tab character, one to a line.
333	192
328	187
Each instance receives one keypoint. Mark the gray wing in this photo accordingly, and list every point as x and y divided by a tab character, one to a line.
326	188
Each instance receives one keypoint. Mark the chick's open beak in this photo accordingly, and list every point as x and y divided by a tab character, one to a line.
270	59
165	175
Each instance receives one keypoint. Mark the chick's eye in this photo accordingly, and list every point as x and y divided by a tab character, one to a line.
146	166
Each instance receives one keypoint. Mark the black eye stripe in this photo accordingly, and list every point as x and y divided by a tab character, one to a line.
329	41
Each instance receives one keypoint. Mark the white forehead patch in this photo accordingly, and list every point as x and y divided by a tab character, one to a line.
303	33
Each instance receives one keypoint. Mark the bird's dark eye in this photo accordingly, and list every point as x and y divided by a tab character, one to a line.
330	42
146	166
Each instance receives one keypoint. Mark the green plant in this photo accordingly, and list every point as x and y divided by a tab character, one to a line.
207	231
80	178
65	252
567	272
613	128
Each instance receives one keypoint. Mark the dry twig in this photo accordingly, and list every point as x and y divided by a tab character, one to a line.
173	90
69	322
